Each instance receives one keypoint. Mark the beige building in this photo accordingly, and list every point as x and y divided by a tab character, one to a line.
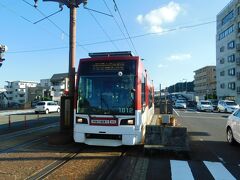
228	52
205	81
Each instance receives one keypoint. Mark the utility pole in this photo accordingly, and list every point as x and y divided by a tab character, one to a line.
67	122
72	56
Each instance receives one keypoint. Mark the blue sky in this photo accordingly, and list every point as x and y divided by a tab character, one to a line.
37	51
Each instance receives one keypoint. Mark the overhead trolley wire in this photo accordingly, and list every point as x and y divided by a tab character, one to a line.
17	14
106	34
117	9
116	22
59	28
121	39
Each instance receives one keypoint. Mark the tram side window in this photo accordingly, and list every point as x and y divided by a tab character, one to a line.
150	98
143	92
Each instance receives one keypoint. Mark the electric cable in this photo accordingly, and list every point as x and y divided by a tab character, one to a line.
106	34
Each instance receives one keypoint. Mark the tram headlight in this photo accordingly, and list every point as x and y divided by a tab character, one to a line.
81	120
130	122
127	122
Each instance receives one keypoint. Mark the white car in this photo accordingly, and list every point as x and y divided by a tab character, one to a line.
233	127
227	106
46	107
204	105
180	104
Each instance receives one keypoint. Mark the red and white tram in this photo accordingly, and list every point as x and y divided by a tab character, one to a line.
113	101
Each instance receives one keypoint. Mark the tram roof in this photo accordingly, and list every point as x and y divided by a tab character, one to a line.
104	54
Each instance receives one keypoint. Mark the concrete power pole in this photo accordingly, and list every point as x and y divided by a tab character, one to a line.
72	56
72	5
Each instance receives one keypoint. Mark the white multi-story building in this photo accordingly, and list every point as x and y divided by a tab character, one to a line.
17	91
228	52
59	85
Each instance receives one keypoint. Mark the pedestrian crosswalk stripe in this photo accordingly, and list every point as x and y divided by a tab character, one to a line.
180	170
218	171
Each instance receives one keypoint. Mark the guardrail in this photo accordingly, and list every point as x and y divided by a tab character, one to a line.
24	121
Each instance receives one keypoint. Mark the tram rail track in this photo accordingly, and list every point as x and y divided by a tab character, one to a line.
11	146
22	145
47	170
10	136
54	166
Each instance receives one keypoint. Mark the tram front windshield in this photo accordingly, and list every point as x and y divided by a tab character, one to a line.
105	91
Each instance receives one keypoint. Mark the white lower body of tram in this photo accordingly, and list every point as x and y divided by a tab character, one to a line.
106	130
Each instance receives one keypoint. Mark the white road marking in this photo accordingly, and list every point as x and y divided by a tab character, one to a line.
180	170
218	171
221	159
201	139
176	112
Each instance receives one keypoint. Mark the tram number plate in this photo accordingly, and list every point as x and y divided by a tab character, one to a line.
112	122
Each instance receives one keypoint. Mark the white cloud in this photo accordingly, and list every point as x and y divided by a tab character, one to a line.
162	66
155	19
179	57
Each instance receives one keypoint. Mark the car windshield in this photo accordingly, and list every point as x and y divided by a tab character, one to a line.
106	94
205	103
231	103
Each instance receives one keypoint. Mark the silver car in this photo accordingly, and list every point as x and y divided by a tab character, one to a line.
180	104
233	127
46	107
204	105
227	106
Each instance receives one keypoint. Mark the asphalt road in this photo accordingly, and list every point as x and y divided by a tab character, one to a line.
208	139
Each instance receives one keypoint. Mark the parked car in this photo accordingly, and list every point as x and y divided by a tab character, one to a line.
180	104
214	103
47	107
233	127
204	105
227	106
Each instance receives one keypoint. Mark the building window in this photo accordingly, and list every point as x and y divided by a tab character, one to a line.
227	18
231	45
222	61
222	73
238	89
231	58
222	85
231	85
231	72
222	49
226	32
